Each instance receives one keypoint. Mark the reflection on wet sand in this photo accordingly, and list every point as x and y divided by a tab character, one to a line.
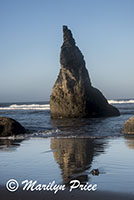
75	155
130	141
9	145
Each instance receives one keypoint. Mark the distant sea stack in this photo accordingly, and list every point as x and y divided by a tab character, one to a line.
73	94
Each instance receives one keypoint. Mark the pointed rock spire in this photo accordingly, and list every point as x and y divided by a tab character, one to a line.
73	94
67	36
70	56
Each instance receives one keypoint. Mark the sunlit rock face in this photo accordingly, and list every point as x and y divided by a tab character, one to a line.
73	94
128	127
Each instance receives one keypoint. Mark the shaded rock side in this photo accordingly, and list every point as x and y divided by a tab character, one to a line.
73	94
10	127
128	127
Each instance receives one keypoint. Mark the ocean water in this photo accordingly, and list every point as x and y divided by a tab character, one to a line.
65	149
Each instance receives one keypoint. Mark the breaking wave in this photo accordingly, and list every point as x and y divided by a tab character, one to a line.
120	101
47	106
27	107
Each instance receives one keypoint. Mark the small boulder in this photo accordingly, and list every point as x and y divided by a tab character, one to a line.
10	127
128	127
95	172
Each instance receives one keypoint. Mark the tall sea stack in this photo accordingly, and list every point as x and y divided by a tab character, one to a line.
73	94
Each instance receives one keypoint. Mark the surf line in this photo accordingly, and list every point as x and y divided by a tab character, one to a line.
52	186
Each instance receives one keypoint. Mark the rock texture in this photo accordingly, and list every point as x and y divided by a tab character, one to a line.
10	127
128	127
73	94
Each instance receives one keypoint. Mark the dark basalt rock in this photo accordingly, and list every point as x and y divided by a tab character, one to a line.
10	127
128	127
73	94
95	172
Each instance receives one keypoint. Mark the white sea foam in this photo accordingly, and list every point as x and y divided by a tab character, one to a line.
120	101
27	107
38	134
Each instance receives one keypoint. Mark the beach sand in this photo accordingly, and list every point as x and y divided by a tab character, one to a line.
66	195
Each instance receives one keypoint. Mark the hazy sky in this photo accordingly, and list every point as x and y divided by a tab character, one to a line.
31	37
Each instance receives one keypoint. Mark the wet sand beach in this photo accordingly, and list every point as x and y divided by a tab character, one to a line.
64	150
74	195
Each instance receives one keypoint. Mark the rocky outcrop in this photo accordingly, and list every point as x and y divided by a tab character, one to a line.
73	94
10	127
128	127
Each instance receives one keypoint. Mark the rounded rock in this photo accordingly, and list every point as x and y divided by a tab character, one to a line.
128	127
10	127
